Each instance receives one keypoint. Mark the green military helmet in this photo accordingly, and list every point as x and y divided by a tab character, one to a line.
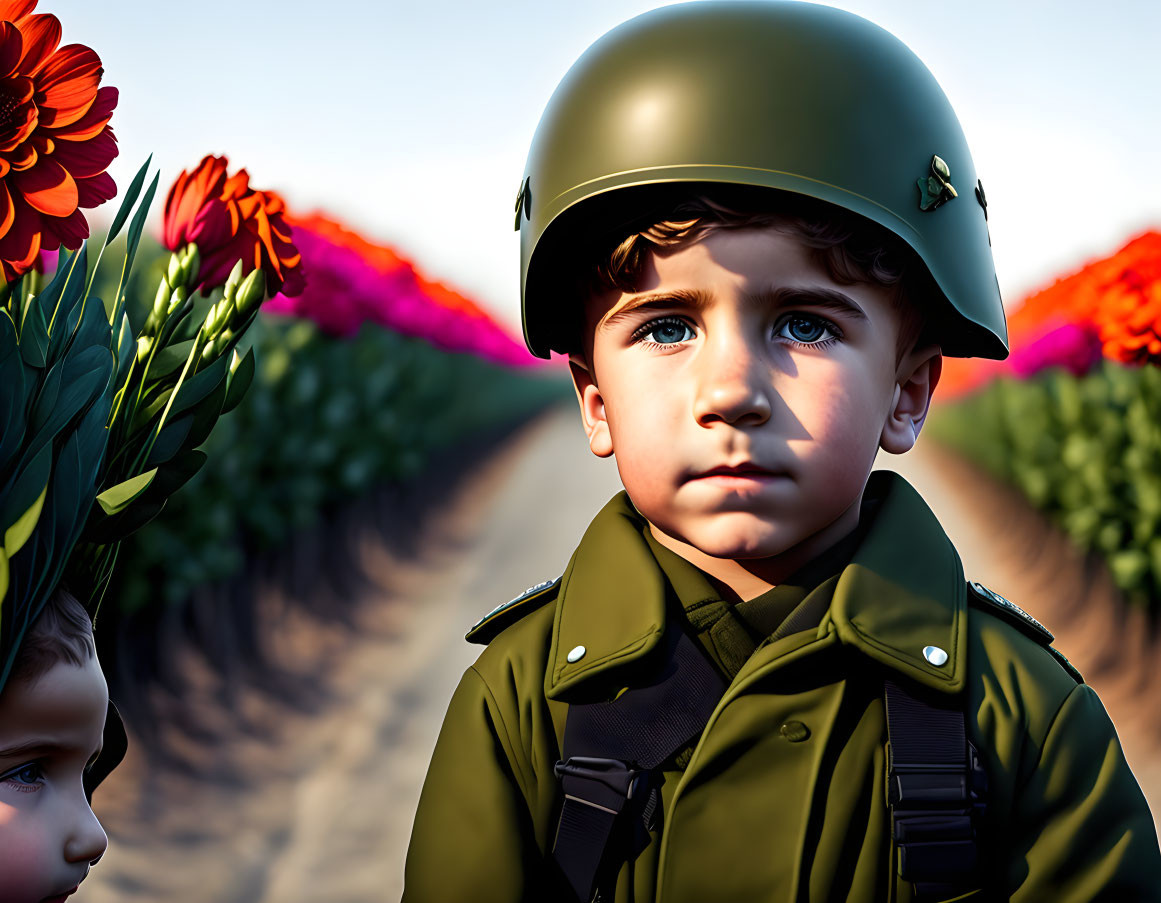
783	95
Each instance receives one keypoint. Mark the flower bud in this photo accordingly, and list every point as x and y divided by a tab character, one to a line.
144	343
251	292
173	272
191	263
233	279
213	316
161	300
227	308
222	341
177	299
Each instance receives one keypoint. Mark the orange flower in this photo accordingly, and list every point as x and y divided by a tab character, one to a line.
1117	297
230	221
55	139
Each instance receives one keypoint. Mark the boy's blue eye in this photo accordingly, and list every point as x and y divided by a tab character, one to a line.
29	773
805	330
668	331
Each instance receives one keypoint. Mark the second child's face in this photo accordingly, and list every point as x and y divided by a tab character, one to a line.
745	394
50	732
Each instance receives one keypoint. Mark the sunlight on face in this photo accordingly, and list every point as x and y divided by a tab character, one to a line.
744	394
50	731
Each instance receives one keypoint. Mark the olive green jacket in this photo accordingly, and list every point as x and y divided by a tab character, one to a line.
761	814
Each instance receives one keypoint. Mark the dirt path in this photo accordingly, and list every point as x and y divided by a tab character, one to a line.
316	805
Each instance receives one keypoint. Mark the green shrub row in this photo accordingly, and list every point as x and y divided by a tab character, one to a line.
1086	451
325	420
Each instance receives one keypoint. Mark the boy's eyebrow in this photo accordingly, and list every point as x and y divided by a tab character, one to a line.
815	296
694	298
818	297
37	747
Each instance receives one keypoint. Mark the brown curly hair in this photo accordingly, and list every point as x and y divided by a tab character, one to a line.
851	248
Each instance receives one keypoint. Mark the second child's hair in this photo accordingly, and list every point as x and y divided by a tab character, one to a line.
61	633
851	248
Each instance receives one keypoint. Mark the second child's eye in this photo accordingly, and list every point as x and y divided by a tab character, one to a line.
803	329
666	331
27	776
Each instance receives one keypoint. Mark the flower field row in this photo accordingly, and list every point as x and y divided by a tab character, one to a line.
327	418
1073	417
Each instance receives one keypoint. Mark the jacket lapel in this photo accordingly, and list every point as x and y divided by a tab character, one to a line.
902	593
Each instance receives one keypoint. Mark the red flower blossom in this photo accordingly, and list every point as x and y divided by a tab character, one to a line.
230	221
55	139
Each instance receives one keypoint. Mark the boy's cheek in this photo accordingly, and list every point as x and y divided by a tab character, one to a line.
23	869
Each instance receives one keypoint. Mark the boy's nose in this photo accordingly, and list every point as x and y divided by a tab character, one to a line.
87	841
734	385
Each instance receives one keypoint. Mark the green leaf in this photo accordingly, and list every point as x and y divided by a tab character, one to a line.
168	360
116	527
129	200
200	386
12	379
45	403
94	327
207	412
34	336
169	440
80	378
3	588
117	498
17	535
175	474
58	310
138	224
51	294
193	391
126	345
240	381
26	486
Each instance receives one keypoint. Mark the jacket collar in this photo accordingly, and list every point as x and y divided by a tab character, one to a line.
903	591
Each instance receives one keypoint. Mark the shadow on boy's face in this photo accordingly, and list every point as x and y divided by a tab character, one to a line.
745	393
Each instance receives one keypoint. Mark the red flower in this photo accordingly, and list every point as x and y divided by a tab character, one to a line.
230	221
55	139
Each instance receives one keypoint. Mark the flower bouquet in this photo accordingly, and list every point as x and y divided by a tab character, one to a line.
100	423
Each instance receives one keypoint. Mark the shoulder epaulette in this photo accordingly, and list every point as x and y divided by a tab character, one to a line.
1012	613
489	626
1024	622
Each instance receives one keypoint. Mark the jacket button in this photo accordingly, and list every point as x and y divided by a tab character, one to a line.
795	731
935	655
576	653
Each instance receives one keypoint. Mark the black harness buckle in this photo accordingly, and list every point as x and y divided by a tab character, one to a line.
605	783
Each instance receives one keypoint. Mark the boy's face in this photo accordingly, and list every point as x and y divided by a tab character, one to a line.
50	731
739	353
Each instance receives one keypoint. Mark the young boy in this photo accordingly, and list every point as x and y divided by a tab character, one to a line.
755	228
52	720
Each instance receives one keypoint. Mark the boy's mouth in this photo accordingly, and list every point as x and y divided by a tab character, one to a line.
744	470
60	898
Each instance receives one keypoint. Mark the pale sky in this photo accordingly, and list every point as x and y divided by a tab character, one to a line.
412	121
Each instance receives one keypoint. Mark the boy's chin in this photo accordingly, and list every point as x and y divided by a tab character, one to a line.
737	536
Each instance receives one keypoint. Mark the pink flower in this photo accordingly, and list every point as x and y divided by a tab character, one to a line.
351	281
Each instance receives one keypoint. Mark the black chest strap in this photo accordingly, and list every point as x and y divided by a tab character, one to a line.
936	783
935	790
610	750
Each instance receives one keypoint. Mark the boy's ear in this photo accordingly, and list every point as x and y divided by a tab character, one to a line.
917	377
592	406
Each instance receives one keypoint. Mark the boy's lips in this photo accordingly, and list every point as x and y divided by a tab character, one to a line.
745	470
60	898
